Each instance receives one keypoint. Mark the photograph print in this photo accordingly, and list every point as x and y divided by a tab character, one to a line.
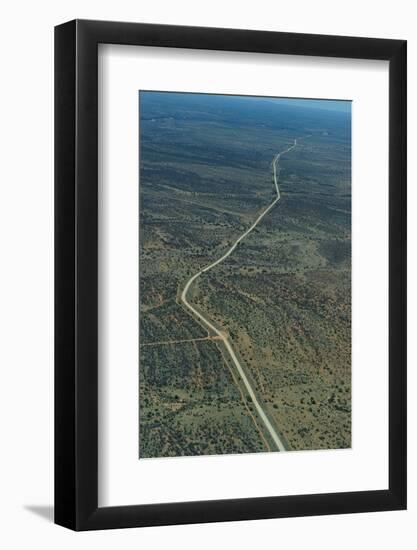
244	274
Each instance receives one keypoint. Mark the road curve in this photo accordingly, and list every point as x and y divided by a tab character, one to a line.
277	440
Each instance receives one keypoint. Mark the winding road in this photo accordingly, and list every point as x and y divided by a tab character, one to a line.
221	335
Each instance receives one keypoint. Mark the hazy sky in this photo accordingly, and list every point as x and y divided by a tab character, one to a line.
341	106
326	104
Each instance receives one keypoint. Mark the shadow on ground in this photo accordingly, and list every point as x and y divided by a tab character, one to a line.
45	512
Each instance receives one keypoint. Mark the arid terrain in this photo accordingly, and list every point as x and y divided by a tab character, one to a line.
281	300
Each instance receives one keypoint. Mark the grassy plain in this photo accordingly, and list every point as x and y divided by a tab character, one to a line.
283	296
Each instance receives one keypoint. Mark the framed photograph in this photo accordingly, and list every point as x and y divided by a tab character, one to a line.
230	275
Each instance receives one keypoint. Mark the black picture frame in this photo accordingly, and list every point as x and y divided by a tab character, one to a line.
76	272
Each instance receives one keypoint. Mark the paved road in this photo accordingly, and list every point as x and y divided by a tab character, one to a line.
222	336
